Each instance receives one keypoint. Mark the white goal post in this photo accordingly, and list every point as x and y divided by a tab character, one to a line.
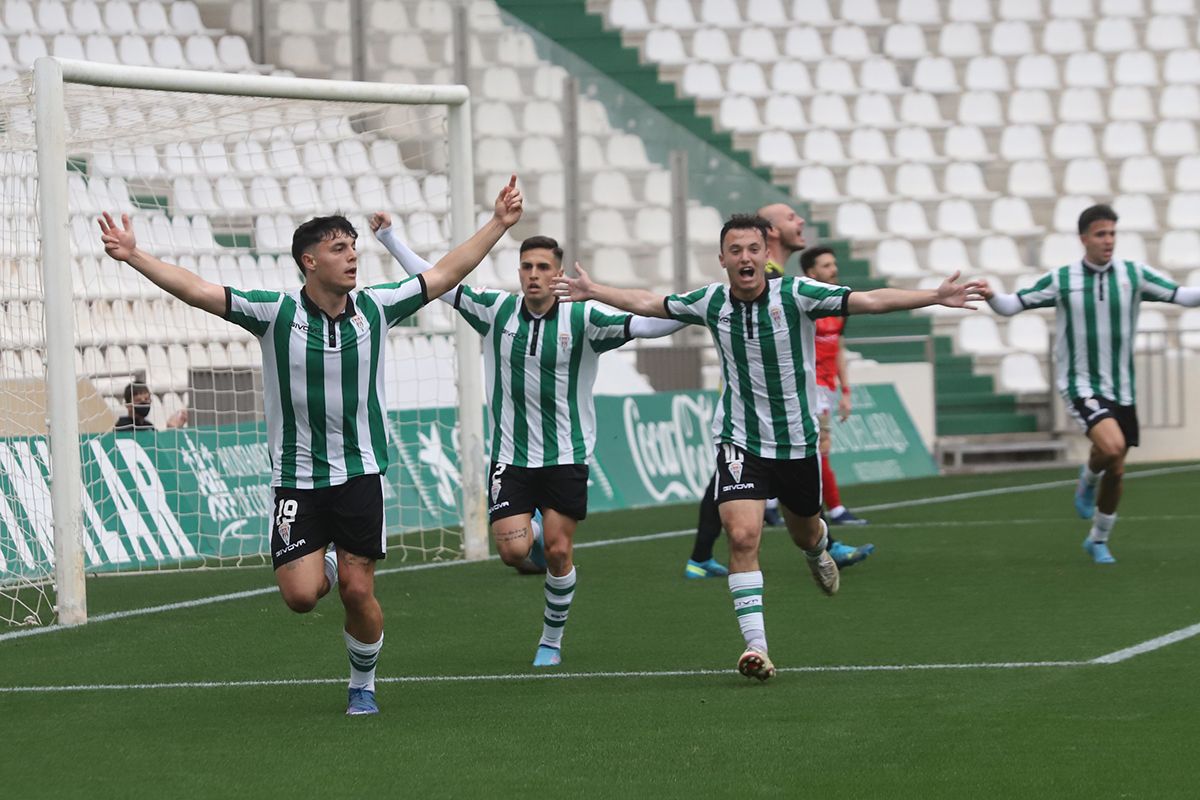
50	77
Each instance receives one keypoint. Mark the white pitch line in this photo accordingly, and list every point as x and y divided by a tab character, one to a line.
1148	646
529	676
220	598
947	498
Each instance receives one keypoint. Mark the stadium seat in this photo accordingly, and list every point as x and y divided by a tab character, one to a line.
998	254
860	12
980	108
1189	329
1152	327
1135	68
674	14
1019	142
875	110
1187	174
856	220
784	112
738	113
1183	210
835	75
663	45
550	191
869	145
1022	373
653	226
934	74
1165	33
1086	176
1124	140
965	143
815	183
895	258
916	181
978	335
712	45
1067	210
866	182
1036	71
1137	212
1179	102
791	78
849	42
758	44
1029	10
914	144
879	75
702	81
1072	140
986	73
1063	36
1182	66
804	43
823	146
1131	103
628	15
957	217
1031	179
1029	334
1058	249
1122	8
539	154
722	13
1030	107
612	189
965	179
960	40
1011	215
1175	138
766	12
830	111
1178	249
1011	38
907	218
920	108
747	78
1142	175
948	255
904	41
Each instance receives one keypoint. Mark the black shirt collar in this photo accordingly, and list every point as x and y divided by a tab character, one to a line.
1099	267
315	310
762	297
528	315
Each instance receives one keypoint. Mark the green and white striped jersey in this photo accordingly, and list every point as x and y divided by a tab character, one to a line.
540	372
766	348
1096	313
323	378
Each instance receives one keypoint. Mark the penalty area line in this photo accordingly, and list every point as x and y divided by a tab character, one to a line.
531	676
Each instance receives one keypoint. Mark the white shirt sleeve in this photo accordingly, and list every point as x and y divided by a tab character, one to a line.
1006	304
653	327
412	263
1188	296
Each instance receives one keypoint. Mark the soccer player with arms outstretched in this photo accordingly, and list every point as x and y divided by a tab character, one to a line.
1096	301
540	358
323	375
764	429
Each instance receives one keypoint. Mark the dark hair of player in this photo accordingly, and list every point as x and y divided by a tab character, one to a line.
745	222
135	388
808	258
318	229
543	243
1094	214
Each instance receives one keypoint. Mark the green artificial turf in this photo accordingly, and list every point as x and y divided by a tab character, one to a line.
991	579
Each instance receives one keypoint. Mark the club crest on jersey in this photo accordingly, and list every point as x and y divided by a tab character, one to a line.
495	489
777	316
359	322
735	469
285	532
564	341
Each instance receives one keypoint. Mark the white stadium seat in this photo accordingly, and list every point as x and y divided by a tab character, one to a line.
1179	249
960	40
855	220
957	217
1030	106
1011	38
1029	334
1061	36
1142	175
934	74
907	218
815	183
1183	210
1166	33
948	255
980	108
1124	140
1022	373
896	258
849	42
978	335
712	45
1072	140
998	254
1175	138
1019	142
1132	103
916	180
1036	71
865	182
965	179
1067	210
1086	176
1187	174
784	112
1179	102
904	41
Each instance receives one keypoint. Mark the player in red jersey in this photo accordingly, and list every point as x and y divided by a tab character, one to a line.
833	389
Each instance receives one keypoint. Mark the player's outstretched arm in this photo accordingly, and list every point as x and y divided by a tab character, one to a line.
950	294
412	264
1006	305
653	327
121	244
1188	296
635	301
458	263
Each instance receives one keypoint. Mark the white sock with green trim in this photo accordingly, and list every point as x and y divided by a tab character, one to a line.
560	591
747	589
1091	478
363	658
1102	525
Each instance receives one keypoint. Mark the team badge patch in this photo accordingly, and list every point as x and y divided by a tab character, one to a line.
495	489
777	316
735	469
564	341
285	532
359	322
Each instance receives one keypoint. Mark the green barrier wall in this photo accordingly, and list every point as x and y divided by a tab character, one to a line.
158	498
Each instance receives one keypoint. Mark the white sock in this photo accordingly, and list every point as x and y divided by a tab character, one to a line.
772	504
747	590
363	658
1089	477
331	567
1102	525
560	591
536	527
837	511
822	545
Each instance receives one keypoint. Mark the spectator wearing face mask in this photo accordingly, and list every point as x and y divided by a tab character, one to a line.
137	404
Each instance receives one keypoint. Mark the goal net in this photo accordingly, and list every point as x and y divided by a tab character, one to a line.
215	175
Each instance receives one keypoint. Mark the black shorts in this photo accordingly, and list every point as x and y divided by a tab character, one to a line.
521	490
745	476
1089	411
350	515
